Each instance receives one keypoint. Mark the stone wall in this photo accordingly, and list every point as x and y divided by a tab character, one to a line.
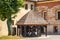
51	9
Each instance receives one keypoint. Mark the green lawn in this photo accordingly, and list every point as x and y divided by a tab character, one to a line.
10	37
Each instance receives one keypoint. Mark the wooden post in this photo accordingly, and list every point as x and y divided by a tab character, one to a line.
38	31
25	30
31	30
16	31
20	30
46	30
29	34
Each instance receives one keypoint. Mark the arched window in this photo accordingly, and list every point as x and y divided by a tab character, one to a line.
43	14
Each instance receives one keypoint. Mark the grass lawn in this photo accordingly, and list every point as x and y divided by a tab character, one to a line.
10	37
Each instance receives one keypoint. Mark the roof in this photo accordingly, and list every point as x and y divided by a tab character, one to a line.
32	18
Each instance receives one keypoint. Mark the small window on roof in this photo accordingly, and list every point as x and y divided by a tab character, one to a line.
31	7
26	6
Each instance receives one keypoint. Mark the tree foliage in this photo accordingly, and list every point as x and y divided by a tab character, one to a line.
9	7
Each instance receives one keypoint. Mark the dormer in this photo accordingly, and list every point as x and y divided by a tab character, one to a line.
29	5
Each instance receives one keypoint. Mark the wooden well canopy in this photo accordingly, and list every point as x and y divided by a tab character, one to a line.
32	18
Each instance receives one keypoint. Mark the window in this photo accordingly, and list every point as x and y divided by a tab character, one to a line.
31	7
59	15
26	6
43	15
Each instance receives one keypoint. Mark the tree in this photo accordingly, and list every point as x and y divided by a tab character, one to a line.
9	8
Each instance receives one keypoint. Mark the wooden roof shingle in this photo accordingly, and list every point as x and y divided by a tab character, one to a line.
31	18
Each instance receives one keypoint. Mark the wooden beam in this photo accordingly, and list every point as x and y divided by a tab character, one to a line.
33	24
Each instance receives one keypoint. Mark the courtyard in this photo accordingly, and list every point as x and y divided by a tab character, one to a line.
43	37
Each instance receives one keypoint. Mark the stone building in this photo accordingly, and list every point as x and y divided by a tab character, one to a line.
38	17
43	18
